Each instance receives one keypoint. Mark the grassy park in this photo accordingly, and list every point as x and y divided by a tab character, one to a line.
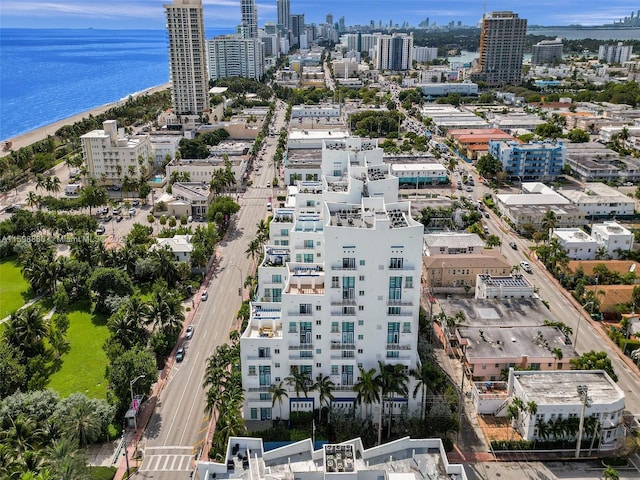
84	366
14	289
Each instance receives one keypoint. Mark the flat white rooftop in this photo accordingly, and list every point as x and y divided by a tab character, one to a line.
558	387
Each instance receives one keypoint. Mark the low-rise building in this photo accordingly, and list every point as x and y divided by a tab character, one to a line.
600	200
560	395
578	244
525	211
443	89
503	286
474	143
613	238
198	194
511	122
488	352
446	117
111	156
402	459
416	175
535	161
180	246
452	243
458	273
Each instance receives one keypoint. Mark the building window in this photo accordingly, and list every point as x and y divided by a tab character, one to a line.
265	396
308	258
264	352
252	370
361	293
396	263
334	370
395	288
335	282
349	263
293	327
276	278
408	282
360	308
362	263
406	327
308	244
393	332
393	354
334	327
361	278
305	309
393	311
254	414
306	354
305	332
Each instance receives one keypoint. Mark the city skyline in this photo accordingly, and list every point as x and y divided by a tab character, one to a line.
148	14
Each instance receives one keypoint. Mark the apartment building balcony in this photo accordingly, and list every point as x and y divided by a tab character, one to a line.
343	388
349	313
397	346
403	267
343	302
400	303
301	346
343	355
342	346
262	388
342	267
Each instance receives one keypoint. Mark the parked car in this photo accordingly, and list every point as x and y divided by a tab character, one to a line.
107	218
513	245
100	230
135	203
204	296
132	212
525	266
469	189
180	354
486	214
119	218
628	184
189	333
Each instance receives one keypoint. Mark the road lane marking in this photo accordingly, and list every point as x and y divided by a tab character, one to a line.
184	392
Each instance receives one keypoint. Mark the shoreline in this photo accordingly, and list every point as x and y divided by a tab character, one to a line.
41	133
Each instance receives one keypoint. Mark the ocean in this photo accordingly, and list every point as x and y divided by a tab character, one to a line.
50	74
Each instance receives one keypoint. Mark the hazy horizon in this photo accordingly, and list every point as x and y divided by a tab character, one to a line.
149	14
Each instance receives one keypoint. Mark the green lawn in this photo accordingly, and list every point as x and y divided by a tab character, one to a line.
84	366
14	290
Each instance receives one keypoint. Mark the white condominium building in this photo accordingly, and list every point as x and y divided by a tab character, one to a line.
234	56
339	287
111	157
187	57
394	52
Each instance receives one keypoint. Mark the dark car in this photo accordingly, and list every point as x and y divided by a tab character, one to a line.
119	218
180	354
135	203
100	230
513	245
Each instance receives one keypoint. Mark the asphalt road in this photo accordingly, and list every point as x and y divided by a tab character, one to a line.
177	429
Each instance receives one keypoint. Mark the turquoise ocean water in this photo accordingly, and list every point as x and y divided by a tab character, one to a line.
50	74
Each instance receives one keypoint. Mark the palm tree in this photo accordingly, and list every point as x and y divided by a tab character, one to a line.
262	234
324	387
549	223
278	393
424	377
253	250
393	380
27	329
82	424
557	353
299	381
367	390
33	199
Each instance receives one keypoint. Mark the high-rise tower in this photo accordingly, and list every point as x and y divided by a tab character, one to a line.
284	12
187	56
249	18
501	48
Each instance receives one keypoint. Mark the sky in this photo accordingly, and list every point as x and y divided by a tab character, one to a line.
148	14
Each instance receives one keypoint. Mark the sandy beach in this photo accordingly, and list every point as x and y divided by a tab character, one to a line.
42	132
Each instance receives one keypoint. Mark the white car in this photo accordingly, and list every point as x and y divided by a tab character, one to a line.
525	266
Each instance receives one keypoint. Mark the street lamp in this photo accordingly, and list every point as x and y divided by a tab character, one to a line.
135	410
240	274
575	340
583	393
126	454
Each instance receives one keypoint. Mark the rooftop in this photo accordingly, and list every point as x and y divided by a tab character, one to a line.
572	235
453	240
558	387
485	312
514	342
595	192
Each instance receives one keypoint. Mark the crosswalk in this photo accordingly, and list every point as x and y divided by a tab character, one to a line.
167	459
